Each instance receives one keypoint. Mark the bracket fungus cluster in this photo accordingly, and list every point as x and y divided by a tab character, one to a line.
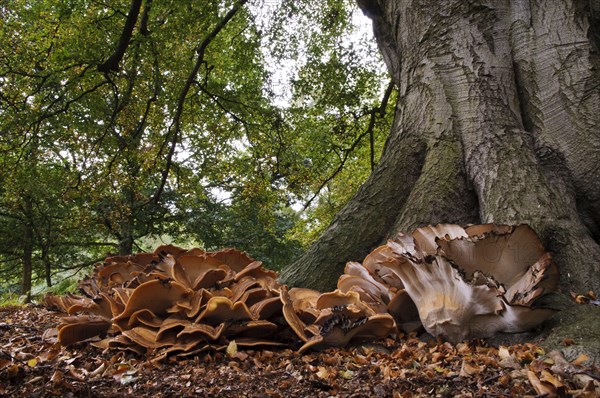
178	302
333	318
456	282
469	282
174	301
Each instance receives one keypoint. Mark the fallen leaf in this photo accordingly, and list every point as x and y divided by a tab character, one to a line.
347	374
323	372
540	351
78	373
232	348
504	380
57	377
468	369
4	363
12	371
122	367
545	389
550	378
503	352
580	359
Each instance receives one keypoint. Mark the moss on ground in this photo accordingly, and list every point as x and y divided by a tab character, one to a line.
581	324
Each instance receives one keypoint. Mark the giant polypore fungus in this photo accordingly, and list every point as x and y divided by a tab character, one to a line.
177	302
332	319
456	282
378	286
174	301
475	282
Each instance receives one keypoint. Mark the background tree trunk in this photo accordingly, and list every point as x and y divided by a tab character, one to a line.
497	120
26	282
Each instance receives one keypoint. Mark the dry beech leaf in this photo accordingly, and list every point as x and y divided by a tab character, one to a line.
323	372
550	378
545	389
78	373
504	380
468	369
503	352
412	366
12	371
57	377
580	359
548	361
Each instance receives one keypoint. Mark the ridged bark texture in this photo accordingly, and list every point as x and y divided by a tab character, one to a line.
505	98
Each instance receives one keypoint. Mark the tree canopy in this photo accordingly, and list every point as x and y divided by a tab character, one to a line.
231	123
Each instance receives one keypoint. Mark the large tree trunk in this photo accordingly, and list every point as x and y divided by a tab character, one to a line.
497	121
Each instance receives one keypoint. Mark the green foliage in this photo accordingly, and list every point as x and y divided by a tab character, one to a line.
66	285
199	134
11	300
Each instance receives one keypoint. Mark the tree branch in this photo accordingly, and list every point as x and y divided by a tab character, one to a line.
341	165
380	111
13	216
373	113
112	63
143	29
86	244
175	127
215	98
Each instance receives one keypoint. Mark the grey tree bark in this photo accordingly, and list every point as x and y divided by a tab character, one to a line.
498	120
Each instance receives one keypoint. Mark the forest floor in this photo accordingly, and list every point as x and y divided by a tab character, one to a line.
32	364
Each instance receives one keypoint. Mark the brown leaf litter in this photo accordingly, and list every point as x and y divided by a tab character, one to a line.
32	364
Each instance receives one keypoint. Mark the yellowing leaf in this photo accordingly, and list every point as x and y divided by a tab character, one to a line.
540	351
323	372
346	374
232	348
32	362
